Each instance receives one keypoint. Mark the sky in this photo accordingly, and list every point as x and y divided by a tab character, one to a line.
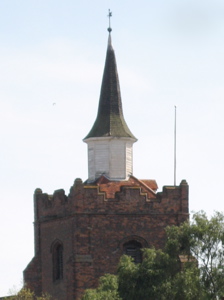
169	53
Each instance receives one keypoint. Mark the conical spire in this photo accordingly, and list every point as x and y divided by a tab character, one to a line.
110	120
110	142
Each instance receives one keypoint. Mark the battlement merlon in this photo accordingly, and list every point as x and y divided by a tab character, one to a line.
179	194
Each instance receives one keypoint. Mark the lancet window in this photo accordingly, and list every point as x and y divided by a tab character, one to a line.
57	256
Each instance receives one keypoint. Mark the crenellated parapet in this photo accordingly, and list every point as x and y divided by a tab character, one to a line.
105	196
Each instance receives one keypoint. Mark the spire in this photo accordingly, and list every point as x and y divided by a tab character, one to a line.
110	120
110	142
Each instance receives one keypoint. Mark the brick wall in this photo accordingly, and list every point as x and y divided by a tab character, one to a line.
92	223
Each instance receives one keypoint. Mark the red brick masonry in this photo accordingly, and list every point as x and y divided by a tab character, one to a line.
92	223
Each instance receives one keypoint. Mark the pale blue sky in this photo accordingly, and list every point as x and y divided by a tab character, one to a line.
168	53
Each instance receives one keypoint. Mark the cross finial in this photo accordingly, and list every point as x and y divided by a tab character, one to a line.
109	16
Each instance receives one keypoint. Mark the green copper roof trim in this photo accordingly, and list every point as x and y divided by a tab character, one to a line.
110	120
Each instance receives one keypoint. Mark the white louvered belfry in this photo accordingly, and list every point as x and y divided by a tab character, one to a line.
111	157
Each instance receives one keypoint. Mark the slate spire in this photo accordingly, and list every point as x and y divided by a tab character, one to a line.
110	120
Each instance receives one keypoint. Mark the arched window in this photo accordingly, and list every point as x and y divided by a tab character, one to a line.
133	249
57	253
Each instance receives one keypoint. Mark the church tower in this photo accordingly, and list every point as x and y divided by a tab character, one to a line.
81	236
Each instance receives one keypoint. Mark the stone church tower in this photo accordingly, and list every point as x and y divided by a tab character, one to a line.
82	235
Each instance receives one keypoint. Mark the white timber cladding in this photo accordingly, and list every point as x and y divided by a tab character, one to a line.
129	159
91	165
111	157
101	158
117	159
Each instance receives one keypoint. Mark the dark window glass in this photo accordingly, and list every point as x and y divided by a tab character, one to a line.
133	249
57	262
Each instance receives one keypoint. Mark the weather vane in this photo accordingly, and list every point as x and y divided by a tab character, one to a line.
109	16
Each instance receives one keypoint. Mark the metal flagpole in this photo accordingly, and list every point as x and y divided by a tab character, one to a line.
175	144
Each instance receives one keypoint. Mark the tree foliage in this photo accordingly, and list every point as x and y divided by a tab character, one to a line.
204	240
157	277
107	290
27	294
190	267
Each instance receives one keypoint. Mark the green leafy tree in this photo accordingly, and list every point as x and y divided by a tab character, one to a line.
204	240
107	290
27	294
157	277
191	266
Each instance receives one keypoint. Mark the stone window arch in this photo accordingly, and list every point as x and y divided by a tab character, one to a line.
133	248
57	260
